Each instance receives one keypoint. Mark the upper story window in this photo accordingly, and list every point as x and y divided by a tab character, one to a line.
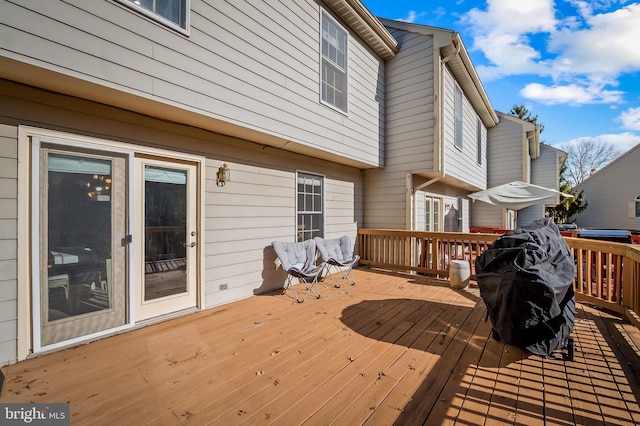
174	13
479	141
310	206
333	74
457	103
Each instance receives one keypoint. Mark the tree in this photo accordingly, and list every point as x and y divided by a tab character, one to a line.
569	206
586	156
523	113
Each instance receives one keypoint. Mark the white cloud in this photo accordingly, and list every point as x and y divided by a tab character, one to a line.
607	46
574	94
622	141
583	54
510	17
630	119
413	16
501	33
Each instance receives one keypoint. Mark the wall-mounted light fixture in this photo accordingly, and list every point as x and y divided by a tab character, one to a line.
223	176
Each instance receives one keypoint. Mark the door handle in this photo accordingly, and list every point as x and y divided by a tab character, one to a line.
193	244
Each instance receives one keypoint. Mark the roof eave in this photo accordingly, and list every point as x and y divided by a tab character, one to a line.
470	81
367	26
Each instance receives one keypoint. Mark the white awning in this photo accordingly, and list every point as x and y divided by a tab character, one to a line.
515	195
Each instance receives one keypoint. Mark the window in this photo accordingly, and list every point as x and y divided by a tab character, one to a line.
479	141
432	213
637	200
172	12
458	111
333	73
310	210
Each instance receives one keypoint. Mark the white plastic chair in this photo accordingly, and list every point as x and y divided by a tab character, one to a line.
338	255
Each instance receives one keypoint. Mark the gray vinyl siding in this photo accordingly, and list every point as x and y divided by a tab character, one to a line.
486	215
410	103
8	242
241	219
409	130
449	196
610	193
505	153
259	206
245	66
529	214
462	164
545	171
385	198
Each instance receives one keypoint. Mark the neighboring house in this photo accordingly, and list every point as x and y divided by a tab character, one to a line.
516	154
116	117
437	116
613	195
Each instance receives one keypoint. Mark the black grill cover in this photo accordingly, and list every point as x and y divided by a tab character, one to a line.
525	279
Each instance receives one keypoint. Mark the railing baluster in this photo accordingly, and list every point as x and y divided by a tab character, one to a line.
607	274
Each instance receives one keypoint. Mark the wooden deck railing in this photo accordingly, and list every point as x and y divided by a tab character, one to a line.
608	274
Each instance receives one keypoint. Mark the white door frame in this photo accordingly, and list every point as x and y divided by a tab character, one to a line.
28	332
167	305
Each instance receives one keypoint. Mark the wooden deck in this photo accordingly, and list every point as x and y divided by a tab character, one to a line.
392	349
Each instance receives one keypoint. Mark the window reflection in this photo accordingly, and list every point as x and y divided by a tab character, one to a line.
78	235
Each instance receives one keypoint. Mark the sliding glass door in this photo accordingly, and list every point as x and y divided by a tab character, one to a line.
82	228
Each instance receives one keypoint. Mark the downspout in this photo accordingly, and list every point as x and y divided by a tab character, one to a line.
438	135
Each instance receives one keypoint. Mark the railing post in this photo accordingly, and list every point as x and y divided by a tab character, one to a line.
628	289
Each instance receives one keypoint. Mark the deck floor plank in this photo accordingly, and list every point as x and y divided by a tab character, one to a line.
393	349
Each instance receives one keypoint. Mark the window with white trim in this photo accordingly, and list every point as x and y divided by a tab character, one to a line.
433	207
479	141
637	202
175	13
457	102
333	74
310	212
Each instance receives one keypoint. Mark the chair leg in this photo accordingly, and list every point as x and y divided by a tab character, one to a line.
289	284
308	285
349	276
346	276
310	288
331	273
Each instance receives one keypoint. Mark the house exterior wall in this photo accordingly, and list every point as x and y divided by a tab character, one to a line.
509	160
507	152
241	219
409	130
8	242
410	103
462	163
610	194
454	204
420	134
242	88
247	69
545	172
546	169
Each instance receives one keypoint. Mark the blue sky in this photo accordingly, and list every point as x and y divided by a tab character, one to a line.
575	64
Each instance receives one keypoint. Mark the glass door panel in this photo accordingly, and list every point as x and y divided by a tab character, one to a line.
83	221
165	232
167	254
